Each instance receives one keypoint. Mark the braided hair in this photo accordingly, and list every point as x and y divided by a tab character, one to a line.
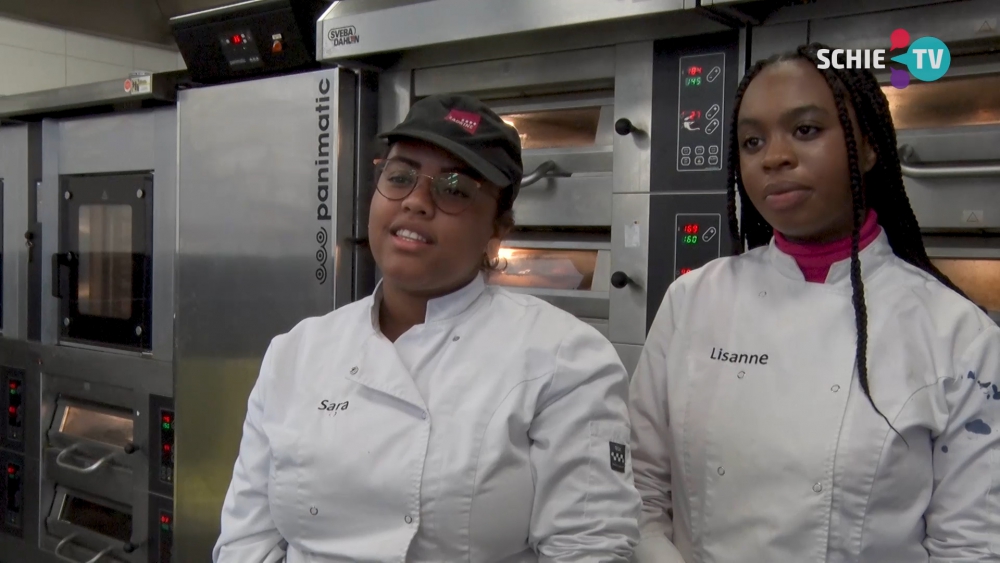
857	89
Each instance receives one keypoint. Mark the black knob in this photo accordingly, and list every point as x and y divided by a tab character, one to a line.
624	127
130	448
619	279
128	547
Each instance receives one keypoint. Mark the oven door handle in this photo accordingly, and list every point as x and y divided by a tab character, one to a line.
547	169
67	540
61	462
909	164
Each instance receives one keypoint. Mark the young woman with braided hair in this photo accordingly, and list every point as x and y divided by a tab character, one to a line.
827	394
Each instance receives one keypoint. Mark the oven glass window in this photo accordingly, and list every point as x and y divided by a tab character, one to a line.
92	424
979	279
97	518
946	103
546	269
105	283
556	129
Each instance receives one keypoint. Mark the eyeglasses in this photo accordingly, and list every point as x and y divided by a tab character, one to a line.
452	192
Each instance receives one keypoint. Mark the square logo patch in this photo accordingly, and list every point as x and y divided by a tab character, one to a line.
617	457
466	120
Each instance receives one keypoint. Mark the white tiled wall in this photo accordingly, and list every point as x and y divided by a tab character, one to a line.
35	57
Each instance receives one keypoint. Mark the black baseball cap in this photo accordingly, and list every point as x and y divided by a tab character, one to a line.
467	128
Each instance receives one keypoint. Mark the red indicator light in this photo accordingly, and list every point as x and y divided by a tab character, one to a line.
11	470
12	410
685	270
237	40
13	385
166	447
166	418
164	519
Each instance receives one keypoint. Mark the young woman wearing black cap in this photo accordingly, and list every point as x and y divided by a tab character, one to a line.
440	419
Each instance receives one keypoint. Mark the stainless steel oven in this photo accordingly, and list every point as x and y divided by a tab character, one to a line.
948	130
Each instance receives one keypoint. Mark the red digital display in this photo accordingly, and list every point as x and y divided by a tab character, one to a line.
694	71
685	270
166	418
691	229
12	410
166	447
237	40
164	519
11	470
692	115
13	385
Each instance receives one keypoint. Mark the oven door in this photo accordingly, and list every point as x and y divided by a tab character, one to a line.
949	146
102	275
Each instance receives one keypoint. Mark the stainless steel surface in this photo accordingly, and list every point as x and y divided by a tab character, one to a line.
948	21
547	169
567	70
444	21
48	217
164	232
143	21
581	200
630	254
913	168
16	187
841	8
109	92
629	354
250	233
771	40
630	202
114	143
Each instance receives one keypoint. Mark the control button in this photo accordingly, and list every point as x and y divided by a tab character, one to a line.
709	234
699	150
712	111
712	127
685	161
277	47
713	74
818	488
699	161
685	151
713	160
713	149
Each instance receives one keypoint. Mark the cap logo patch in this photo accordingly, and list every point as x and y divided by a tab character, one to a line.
466	120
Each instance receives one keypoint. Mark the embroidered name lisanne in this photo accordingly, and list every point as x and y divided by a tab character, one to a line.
737	358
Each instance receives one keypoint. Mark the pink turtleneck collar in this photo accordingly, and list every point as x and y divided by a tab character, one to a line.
815	259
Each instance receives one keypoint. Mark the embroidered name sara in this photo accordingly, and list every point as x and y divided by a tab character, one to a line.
722	355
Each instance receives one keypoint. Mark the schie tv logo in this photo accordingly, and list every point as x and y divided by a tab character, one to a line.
927	58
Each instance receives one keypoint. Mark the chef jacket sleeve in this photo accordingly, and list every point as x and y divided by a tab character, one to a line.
963	518
586	507
248	534
650	437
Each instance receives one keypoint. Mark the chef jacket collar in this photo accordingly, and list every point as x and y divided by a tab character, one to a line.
439	308
872	257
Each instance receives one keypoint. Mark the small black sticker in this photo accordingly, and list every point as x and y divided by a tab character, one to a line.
617	457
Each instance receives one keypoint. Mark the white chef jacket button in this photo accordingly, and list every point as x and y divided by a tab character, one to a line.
722	471
818	487
835	388
741	374
762	294
408	519
455	339
423	415
354	370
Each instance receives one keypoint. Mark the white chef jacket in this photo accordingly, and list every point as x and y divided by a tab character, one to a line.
517	443
783	459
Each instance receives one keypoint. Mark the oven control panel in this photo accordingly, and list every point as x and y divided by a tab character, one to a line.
701	104
162	447
12	488
13	405
161	529
697	240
